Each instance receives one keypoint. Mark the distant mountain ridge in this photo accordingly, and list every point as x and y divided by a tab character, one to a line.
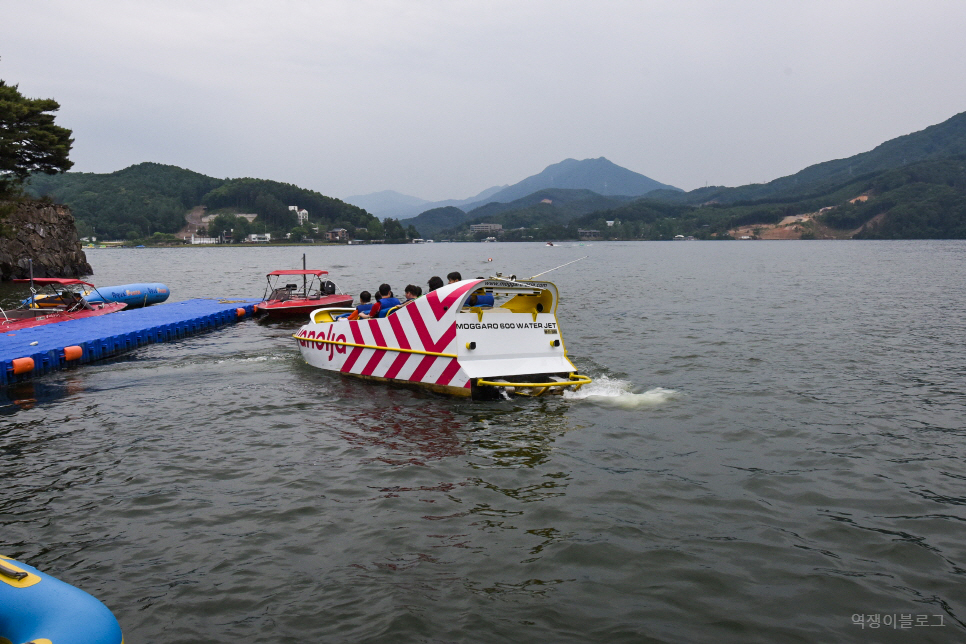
598	175
940	141
389	203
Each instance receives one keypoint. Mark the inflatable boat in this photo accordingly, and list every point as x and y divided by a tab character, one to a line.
37	608
480	338
132	295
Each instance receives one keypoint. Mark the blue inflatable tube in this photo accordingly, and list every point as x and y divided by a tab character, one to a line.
36	607
134	295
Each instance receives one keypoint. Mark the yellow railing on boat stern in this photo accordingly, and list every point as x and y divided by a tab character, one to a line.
575	380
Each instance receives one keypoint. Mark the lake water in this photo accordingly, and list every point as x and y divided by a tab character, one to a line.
774	443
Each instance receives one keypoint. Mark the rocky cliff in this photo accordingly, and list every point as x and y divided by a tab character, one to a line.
44	233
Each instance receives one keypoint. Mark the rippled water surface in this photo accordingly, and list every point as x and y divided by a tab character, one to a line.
773	444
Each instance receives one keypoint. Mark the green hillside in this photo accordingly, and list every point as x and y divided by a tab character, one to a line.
554	207
924	200
944	140
431	222
153	198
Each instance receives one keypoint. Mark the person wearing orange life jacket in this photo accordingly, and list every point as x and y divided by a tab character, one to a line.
365	305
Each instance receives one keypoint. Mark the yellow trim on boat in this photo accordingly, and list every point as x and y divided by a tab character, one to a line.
372	346
26	579
579	382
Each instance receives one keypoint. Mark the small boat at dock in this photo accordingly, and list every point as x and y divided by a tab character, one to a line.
64	302
283	299
481	338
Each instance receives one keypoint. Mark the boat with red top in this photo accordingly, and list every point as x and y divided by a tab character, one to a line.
283	299
72	305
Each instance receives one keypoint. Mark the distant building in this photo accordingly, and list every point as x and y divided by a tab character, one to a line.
302	214
337	235
256	238
610	224
486	228
546	201
202	240
588	234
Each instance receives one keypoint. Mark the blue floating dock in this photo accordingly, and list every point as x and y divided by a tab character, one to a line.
109	335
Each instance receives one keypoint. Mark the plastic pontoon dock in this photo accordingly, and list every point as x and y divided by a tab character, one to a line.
38	350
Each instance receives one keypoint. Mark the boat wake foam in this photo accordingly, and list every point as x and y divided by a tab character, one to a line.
618	393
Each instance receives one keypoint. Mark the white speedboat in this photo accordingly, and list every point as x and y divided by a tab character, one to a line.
473	338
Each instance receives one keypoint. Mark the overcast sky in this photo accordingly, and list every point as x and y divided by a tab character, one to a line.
443	99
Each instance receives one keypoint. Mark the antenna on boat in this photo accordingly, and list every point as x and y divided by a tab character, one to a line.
561	266
305	285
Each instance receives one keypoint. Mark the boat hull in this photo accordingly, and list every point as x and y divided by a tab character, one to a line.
55	317
278	309
436	343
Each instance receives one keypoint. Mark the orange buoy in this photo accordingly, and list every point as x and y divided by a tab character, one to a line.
240	311
73	352
22	365
254	308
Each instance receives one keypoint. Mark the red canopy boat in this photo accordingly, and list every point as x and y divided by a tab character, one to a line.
294	300
72	306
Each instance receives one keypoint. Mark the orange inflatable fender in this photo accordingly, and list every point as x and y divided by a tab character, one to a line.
22	365
73	353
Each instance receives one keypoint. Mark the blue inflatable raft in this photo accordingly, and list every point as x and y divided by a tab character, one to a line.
134	295
35	607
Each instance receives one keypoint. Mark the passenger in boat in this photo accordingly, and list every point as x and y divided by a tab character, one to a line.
385	301
454	277
365	304
434	283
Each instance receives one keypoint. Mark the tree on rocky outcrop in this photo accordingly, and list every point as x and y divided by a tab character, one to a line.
29	140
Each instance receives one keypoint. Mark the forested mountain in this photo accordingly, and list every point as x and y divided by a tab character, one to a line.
151	197
544	207
944	140
538	211
599	175
924	200
141	199
432	222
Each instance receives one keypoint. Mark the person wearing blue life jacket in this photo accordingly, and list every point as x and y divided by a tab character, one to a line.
365	305
381	308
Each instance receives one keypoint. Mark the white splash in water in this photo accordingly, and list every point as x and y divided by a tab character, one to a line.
618	393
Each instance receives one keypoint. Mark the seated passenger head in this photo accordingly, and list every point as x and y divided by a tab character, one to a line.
365	296
454	277
385	290
434	282
418	290
411	292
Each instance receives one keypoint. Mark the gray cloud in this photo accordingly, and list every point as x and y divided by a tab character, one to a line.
443	99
